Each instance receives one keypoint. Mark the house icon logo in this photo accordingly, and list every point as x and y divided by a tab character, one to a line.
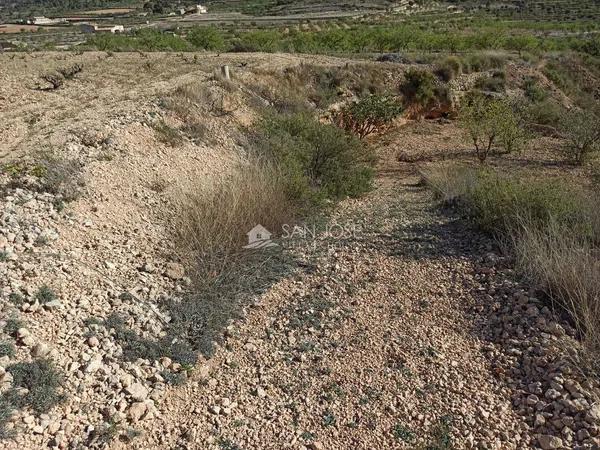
259	237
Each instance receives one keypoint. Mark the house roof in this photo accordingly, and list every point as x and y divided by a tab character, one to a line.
259	229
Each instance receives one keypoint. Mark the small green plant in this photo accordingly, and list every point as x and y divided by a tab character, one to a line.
328	419
402	433
16	298
534	91
167	134
369	115
442	438
12	325
42	382
175	379
4	255
227	444
7	349
45	294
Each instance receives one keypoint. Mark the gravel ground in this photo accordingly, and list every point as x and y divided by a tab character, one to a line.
412	333
411	330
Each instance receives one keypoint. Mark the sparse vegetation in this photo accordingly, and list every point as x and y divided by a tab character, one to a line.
12	325
534	91
553	230
493	83
7	349
167	134
60	176
45	294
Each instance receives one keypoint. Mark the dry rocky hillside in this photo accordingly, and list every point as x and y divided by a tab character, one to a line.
413	331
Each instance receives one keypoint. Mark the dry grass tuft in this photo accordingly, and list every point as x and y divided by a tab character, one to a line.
216	216
553	230
568	269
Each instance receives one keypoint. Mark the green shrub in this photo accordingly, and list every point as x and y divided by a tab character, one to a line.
499	203
420	88
449	68
42	381
369	115
318	161
548	112
581	130
7	349
533	90
206	38
494	83
479	62
12	326
45	294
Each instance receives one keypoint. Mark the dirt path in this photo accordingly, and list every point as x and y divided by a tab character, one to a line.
377	344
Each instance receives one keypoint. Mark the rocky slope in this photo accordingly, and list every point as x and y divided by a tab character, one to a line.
409	330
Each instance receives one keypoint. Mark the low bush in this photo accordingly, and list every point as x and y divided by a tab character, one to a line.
449	68
167	134
534	91
547	112
480	62
496	82
319	161
60	176
7	349
422	92
368	115
69	72
419	87
45	294
41	381
55	80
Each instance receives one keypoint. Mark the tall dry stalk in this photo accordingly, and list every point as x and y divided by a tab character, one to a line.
215	216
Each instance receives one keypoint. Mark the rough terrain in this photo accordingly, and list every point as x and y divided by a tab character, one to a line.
410	331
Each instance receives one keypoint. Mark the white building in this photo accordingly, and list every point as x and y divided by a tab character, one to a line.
94	28
41	20
200	9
